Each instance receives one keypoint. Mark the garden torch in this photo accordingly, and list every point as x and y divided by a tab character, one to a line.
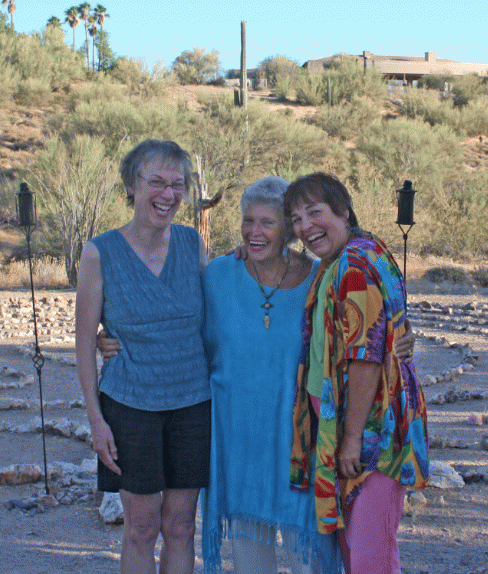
26	214
405	216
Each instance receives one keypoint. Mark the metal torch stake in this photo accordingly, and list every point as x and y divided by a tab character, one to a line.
405	217
26	212
38	360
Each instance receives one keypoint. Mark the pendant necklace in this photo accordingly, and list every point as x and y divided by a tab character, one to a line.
267	305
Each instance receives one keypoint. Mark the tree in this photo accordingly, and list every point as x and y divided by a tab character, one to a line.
197	67
84	12
75	182
100	14
11	10
73	20
53	21
3	22
106	57
274	67
92	30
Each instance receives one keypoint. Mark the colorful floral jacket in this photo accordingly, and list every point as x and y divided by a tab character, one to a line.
365	312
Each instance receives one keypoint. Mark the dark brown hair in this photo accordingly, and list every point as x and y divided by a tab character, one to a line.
324	188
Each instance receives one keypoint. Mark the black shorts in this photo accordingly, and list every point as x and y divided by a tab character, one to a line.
157	449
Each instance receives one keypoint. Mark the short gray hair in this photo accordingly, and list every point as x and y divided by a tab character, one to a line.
269	191
166	151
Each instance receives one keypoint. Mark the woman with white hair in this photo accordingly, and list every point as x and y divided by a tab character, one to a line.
253	312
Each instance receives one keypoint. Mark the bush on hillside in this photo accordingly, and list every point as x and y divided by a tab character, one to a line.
74	182
435	82
347	80
275	68
347	120
196	66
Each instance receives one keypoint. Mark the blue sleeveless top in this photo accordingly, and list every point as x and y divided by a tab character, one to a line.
158	321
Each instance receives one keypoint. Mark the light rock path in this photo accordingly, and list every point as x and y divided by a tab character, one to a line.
451	358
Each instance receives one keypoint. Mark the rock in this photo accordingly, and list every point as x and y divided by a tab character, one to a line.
30	427
82	432
442	475
47	501
23	503
56	405
20	474
437	399
14	405
111	509
76	404
62	427
436	441
456	443
417	499
484	442
429	380
89	464
475	419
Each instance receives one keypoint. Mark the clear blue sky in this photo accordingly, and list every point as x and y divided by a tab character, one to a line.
302	30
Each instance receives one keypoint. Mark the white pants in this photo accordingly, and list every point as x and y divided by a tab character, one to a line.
259	557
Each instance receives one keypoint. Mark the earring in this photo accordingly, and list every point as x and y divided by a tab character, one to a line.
303	254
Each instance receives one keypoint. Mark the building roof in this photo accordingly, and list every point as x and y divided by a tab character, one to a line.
397	66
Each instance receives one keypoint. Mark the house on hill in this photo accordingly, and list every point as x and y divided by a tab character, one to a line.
405	68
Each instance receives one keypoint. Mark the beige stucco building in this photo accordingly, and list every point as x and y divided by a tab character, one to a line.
406	68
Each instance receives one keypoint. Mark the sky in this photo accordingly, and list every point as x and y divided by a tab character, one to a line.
154	30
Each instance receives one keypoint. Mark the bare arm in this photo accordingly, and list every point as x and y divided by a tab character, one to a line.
89	300
363	380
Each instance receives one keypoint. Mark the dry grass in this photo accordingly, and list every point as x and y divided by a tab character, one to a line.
47	273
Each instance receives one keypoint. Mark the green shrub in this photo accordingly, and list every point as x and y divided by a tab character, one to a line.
446	273
33	92
283	87
196	66
427	105
435	81
279	68
411	149
99	90
39	59
474	117
347	79
348	119
10	80
467	88
311	89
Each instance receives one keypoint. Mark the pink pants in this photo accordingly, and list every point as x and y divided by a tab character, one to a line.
368	543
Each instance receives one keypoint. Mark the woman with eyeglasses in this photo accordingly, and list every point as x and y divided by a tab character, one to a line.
150	412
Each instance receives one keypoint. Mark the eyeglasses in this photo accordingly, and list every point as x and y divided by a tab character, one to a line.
160	185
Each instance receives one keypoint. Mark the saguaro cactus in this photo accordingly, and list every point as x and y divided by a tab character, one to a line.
243	66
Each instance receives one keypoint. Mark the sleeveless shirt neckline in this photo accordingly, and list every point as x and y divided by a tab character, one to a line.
132	250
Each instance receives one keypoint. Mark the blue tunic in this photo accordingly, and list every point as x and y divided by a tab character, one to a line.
157	320
252	379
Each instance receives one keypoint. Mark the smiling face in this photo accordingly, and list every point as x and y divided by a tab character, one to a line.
263	231
320	229
158	192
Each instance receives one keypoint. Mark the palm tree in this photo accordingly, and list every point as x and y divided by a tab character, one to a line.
10	10
92	30
84	11
53	21
73	20
101	15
